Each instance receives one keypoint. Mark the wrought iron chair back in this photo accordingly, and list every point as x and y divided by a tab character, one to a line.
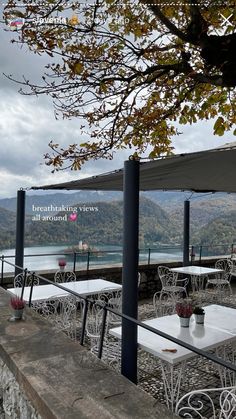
64	276
29	278
94	319
114	300
213	403
167	278
164	303
170	282
226	265
60	312
111	352
222	280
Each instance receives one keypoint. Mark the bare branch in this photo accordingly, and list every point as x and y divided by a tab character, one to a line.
154	6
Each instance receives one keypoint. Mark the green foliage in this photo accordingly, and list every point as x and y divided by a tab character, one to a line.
104	226
219	231
198	310
212	223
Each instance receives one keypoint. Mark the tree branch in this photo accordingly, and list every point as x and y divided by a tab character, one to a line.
158	13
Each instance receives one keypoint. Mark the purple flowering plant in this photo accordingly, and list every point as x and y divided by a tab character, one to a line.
17	303
184	308
62	262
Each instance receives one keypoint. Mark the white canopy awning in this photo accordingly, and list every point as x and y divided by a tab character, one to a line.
205	171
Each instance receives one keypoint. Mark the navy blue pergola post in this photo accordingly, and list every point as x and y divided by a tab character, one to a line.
20	230
130	269
186	233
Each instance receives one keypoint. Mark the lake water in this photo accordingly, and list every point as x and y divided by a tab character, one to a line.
49	255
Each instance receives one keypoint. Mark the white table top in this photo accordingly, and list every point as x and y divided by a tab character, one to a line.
204	337
221	317
45	292
196	270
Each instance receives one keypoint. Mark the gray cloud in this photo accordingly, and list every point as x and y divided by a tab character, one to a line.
198	137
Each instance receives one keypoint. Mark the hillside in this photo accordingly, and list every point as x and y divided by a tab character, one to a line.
202	211
221	230
60	198
204	207
102	225
63	198
7	227
7	220
212	221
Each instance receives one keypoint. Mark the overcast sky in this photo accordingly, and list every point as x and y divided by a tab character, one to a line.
27	124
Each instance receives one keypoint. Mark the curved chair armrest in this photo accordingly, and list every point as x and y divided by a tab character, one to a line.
183	282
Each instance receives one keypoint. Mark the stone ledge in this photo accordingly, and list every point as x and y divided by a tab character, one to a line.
63	380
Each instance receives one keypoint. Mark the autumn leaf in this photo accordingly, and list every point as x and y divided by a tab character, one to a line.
132	72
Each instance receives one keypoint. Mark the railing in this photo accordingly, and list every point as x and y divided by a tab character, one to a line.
146	255
106	308
197	252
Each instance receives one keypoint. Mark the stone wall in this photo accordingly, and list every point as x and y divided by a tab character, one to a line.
13	403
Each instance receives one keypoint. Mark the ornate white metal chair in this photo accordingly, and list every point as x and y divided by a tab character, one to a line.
213	403
65	316
171	283
221	282
60	312
114	300
64	276
111	352
94	323
29	278
164	303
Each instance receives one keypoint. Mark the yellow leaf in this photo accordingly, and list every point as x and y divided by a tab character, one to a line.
78	68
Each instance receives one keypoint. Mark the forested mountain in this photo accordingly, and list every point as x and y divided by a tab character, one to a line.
202	211
103	225
212	222
7	228
100	223
60	198
204	207
221	230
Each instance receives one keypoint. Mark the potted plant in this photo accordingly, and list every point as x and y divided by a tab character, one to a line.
184	309
62	264
199	314
18	306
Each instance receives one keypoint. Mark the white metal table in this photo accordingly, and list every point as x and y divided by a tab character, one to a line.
197	274
206	337
223	318
83	288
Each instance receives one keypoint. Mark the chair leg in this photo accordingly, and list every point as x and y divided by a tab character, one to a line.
186	292
230	289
